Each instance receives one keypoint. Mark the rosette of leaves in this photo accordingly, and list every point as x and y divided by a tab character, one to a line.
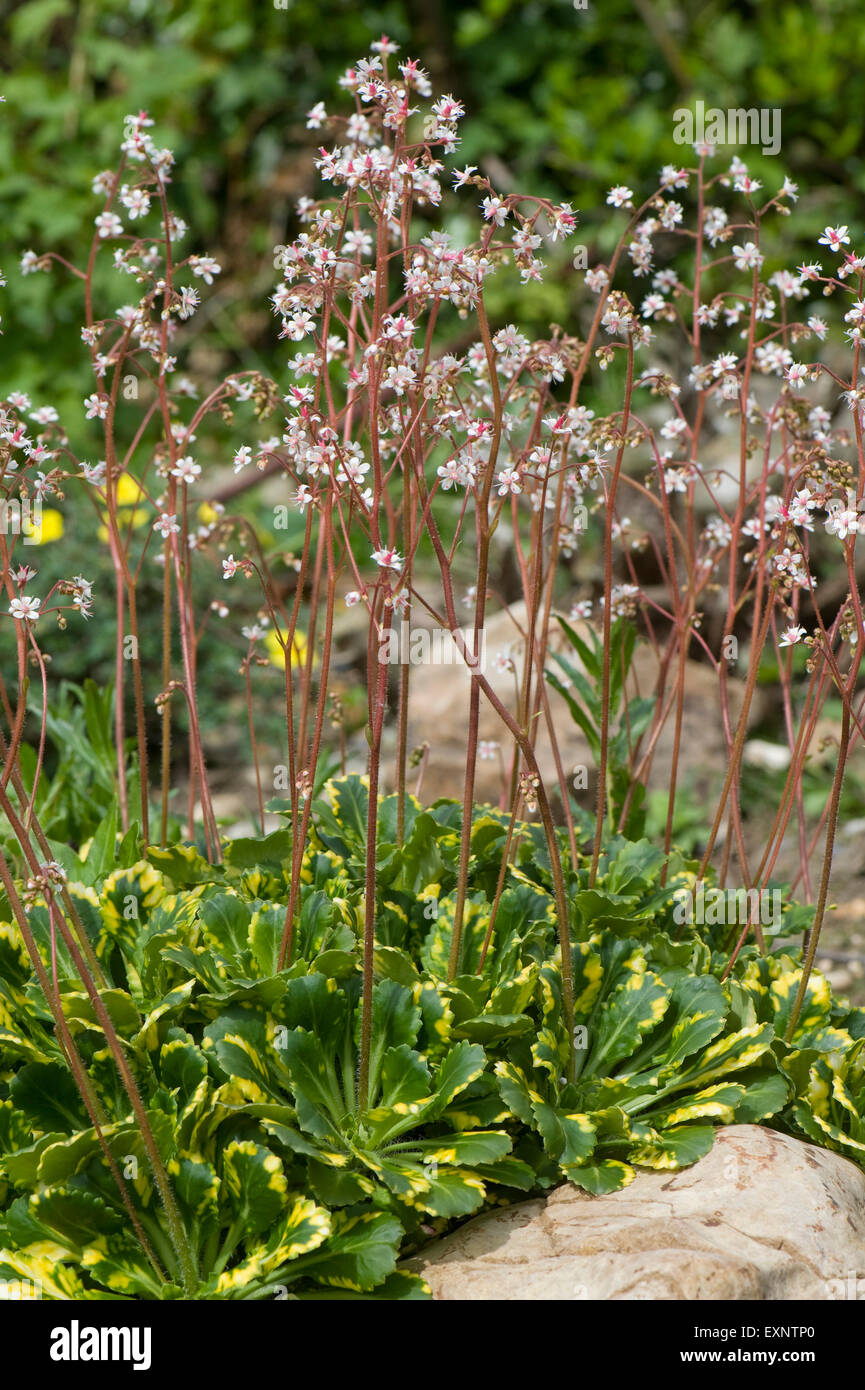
829	1104
248	1073
763	989
401	1152
660	1061
416	878
165	936
628	896
253	1227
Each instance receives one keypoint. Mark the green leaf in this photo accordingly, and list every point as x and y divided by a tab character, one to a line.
360	1252
637	865
118	1262
238	1043
458	1149
226	920
765	1095
675	1148
337	1187
184	865
635	1007
72	1215
610	1175
568	1138
255	1184
47	1094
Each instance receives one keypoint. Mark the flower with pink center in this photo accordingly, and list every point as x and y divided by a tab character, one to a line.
388	559
843	522
796	373
108	224
508	480
186	469
834	238
25	609
564	221
495	211
135	200
96	406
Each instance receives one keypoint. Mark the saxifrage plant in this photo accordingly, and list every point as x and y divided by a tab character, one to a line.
286	1184
502	1003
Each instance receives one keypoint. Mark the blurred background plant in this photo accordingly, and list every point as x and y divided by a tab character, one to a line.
567	101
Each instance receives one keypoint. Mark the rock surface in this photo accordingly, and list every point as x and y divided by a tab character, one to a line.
762	1216
438	715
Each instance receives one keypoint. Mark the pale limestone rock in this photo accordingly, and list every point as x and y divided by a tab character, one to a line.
438	715
762	1216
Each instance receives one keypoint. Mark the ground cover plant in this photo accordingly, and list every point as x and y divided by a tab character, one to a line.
246	1066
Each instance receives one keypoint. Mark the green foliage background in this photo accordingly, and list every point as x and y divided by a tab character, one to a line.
565	101
560	101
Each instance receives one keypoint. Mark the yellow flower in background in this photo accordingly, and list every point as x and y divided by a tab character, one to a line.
276	652
129	494
47	526
207	514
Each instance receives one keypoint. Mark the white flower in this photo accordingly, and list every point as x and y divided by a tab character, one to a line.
564	221
136	200
462	176
747	257
790	636
229	567
834	238
843	522
620	196
495	211
400	378
453	474
186	469
96	406
597	279
796	373
206	267
94	472
27	609
387	559
83	595
508	480
108	224
352	598
166	525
